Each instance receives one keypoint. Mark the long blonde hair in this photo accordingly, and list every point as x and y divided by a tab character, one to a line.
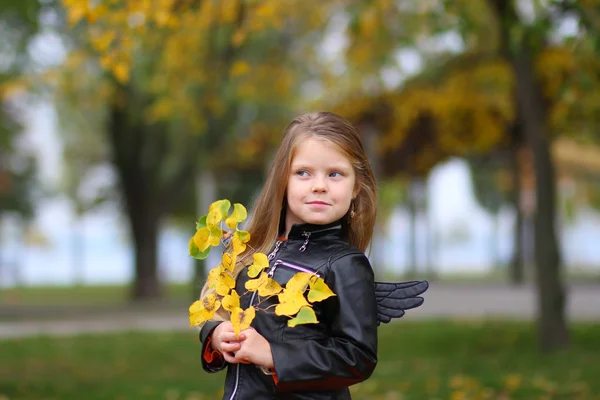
264	224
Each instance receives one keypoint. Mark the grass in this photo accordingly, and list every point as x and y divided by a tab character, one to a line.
418	360
101	295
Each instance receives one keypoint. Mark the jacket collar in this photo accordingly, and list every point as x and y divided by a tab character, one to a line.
299	231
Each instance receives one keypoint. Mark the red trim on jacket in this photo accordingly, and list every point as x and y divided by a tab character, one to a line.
211	356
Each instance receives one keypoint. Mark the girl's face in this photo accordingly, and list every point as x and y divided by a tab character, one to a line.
321	185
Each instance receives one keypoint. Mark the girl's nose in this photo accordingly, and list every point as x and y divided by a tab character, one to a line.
319	186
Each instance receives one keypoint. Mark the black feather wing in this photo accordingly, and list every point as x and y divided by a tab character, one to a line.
394	298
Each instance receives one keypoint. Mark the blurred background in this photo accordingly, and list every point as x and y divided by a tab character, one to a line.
121	121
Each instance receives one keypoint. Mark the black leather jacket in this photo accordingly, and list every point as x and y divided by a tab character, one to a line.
312	361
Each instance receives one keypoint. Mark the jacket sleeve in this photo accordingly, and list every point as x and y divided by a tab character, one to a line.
205	333
349	355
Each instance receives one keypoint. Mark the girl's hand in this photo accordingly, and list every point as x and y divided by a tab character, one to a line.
255	349
224	340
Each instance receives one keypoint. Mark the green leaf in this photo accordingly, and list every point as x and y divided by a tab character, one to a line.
306	315
260	263
242	236
319	290
238	215
218	211
196	253
201	222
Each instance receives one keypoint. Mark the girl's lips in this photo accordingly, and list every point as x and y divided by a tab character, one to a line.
318	203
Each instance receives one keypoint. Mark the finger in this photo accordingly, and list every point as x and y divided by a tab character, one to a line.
243	359
248	330
230	347
228	337
230	358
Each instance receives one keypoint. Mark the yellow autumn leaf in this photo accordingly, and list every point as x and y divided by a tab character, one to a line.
238	215
264	285
290	302
228	261
121	72
260	263
319	290
239	68
195	252
76	10
103	41
241	319
299	282
220	281
239	37
306	315
201	238
239	240
231	301
203	310
217	212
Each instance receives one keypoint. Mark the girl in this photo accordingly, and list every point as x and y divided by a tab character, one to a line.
315	212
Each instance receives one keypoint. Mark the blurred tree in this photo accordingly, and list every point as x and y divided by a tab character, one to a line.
179	75
519	42
499	54
18	167
85	179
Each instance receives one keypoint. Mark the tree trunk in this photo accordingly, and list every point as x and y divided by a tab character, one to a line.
516	268
412	239
150	181
206	193
145	230
77	251
552	328
494	239
430	245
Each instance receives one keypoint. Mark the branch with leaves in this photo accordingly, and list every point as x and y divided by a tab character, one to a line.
295	300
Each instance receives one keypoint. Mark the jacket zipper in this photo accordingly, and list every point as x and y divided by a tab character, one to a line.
275	250
291	266
237	366
307	236
270	257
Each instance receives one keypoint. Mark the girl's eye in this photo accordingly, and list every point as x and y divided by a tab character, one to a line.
302	173
335	174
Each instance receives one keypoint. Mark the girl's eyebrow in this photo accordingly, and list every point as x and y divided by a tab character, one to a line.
337	167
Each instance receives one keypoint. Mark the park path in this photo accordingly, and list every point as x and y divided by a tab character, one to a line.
441	301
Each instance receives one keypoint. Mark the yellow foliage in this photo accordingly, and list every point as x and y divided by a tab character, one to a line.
239	37
203	310
239	240
290	302
319	290
76	10
228	261
241	319
239	68
264	285
238	215
260	263
231	301
208	236
220	281
299	282
121	72
306	315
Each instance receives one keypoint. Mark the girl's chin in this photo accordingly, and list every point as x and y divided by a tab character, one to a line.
319	221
